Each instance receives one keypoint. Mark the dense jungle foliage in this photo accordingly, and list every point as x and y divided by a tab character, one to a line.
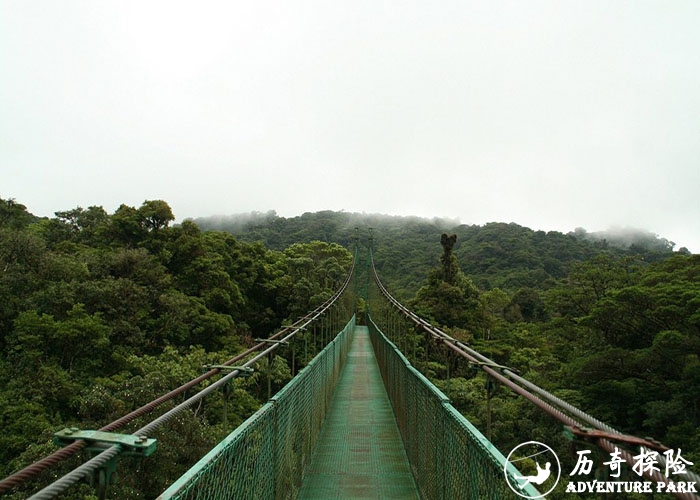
495	255
619	337
100	313
610	322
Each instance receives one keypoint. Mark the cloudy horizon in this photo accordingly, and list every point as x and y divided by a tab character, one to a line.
550	114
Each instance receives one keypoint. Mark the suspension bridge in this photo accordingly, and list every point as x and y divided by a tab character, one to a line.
357	421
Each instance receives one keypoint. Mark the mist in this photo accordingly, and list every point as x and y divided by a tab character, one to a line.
553	115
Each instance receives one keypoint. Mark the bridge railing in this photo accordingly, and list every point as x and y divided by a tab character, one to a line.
328	316
587	428
266	456
449	457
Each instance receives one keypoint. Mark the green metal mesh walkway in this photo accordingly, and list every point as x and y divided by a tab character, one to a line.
331	433
359	453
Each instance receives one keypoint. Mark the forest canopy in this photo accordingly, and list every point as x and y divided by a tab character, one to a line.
101	312
496	254
609	321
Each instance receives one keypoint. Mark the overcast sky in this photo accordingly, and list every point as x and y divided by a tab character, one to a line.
552	114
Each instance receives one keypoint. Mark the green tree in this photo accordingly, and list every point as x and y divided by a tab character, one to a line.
453	303
14	215
127	226
79	342
155	214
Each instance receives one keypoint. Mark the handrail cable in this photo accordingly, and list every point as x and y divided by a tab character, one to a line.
66	452
103	457
549	403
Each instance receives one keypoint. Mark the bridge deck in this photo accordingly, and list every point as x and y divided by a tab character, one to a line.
359	453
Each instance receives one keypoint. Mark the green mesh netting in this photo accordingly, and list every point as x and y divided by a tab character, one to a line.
359	453
429	450
449	457
265	457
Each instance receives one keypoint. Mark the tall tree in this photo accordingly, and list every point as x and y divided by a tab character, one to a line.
155	214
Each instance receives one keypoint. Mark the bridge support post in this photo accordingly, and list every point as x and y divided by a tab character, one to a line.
269	376
293	355
227	392
448	362
103	477
99	441
490	389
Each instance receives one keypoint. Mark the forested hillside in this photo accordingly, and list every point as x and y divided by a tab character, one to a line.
608	321
501	255
101	313
618	336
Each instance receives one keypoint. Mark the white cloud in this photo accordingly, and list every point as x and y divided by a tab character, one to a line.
552	114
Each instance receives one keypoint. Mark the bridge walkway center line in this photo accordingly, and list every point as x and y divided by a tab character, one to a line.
359	454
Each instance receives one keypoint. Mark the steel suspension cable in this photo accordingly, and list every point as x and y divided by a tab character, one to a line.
64	453
482	361
552	405
99	460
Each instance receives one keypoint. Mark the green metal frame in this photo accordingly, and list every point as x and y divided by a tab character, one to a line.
266	456
99	440
450	458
